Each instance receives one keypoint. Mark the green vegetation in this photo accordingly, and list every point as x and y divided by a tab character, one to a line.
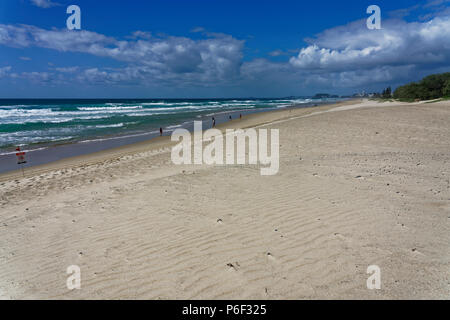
387	93
432	87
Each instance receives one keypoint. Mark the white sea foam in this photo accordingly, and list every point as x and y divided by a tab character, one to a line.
64	114
173	127
108	108
117	125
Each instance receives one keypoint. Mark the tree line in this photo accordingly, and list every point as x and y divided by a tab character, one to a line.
431	87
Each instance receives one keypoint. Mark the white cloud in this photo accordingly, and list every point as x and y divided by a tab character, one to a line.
349	56
398	43
213	59
44	3
46	78
141	35
352	56
67	69
4	71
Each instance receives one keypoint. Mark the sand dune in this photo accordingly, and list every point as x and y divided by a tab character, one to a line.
359	184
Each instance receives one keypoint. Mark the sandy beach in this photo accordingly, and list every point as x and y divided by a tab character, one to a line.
360	183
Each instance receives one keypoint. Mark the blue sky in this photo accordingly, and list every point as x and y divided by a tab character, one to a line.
215	48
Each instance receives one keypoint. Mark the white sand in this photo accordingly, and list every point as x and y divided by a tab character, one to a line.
364	184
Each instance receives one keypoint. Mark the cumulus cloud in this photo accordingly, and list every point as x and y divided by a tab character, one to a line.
362	77
213	59
24	36
349	56
141	35
47	78
38	77
352	56
398	43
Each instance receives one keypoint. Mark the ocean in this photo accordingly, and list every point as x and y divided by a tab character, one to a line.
38	124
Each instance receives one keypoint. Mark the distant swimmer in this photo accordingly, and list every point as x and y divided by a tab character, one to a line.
160	131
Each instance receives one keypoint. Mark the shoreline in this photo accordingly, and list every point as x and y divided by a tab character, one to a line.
146	128
153	142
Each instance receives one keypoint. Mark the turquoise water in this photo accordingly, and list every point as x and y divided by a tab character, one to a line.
31	123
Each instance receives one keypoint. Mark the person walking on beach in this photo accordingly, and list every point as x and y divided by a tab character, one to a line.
213	122
240	116
160	132
231	118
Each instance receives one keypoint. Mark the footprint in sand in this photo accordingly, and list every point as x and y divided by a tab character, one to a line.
232	267
346	240
236	277
415	251
402	226
271	258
